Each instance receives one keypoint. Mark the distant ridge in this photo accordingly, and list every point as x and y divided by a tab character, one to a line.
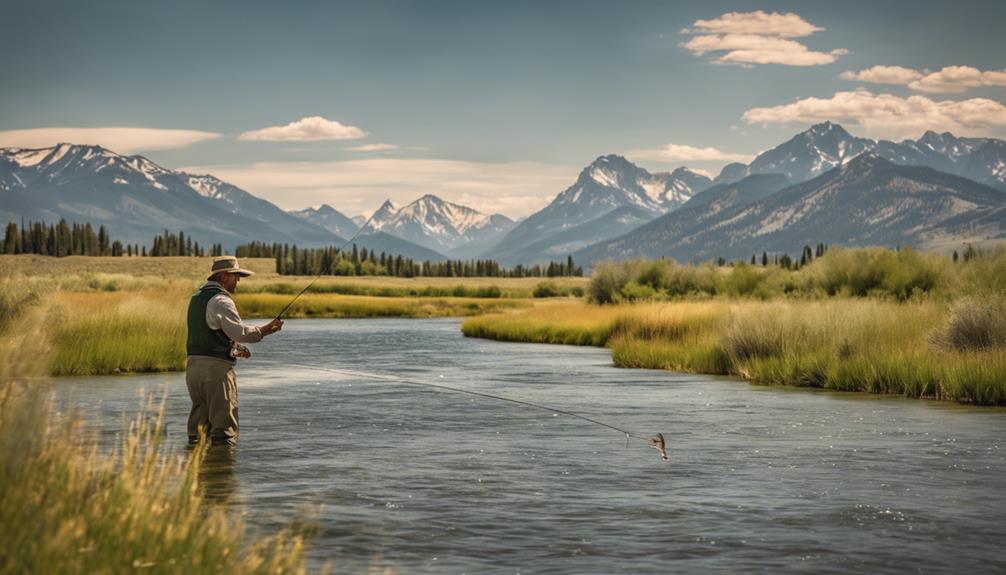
866	201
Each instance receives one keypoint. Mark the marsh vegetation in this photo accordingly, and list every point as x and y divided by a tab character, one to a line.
875	320
127	315
71	504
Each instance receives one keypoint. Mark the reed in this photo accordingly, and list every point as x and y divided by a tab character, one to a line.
552	322
111	333
872	345
69	505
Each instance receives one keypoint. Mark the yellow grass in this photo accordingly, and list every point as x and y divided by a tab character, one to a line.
69	506
844	344
102	320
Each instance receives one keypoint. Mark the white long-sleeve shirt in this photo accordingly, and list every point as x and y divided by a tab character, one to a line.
221	313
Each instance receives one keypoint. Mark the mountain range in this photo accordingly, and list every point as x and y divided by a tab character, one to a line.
865	201
136	199
611	196
826	145
821	185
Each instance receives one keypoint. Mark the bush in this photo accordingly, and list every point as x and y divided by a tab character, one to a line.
606	282
876	271
634	291
546	289
975	324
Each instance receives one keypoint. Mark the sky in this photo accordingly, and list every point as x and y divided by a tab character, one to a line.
495	105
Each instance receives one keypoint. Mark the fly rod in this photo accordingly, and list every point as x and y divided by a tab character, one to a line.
656	441
329	269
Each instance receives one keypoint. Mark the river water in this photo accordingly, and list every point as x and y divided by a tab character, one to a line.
420	480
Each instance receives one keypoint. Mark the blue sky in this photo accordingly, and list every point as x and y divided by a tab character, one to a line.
493	104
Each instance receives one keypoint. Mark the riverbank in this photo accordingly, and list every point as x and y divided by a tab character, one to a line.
131	317
69	504
915	349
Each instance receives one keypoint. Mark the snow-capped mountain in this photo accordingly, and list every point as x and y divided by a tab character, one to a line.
381	217
807	154
135	198
865	201
329	218
827	145
441	225
574	218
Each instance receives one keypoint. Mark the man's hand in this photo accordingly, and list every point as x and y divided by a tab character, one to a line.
272	327
241	351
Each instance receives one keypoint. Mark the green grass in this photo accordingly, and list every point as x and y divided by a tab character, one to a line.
69	505
107	323
870	345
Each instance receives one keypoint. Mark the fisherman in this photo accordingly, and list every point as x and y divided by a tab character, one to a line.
216	333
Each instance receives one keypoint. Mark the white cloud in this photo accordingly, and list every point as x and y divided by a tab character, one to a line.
948	80
309	129
356	186
684	153
884	75
372	148
887	115
786	25
748	38
956	79
123	140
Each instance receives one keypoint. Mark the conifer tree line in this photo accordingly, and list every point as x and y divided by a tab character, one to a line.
179	244
60	239
294	260
784	260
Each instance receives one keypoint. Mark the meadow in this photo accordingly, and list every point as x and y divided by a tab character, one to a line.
878	321
127	315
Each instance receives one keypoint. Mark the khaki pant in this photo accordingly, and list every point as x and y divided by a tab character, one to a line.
214	392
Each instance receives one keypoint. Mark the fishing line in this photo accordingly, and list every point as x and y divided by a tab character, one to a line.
657	441
329	268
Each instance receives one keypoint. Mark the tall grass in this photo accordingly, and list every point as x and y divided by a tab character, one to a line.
868	345
875	272
69	506
106	323
553	322
108	333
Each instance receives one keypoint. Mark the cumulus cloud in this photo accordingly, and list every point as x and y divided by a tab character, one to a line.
956	79
123	140
748	38
884	75
309	129
948	80
373	148
685	153
358	186
887	115
786	25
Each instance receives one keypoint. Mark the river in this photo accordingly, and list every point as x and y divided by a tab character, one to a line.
421	480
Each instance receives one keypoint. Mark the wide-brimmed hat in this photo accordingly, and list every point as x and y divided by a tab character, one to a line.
230	265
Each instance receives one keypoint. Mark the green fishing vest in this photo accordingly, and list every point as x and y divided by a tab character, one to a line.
201	339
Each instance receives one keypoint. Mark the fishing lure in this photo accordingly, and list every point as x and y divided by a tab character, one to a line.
657	442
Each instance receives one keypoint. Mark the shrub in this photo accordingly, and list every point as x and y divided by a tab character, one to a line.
975	324
861	272
546	289
606	282
634	291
